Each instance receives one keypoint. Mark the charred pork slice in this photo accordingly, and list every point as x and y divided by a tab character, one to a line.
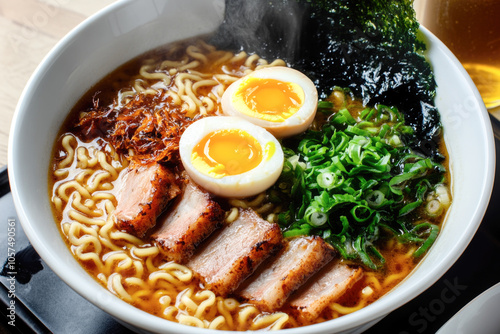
192	218
231	255
144	193
273	282
323	289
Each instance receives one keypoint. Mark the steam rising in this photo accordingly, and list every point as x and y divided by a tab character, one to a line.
271	29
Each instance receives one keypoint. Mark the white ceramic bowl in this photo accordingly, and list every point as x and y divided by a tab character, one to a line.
129	28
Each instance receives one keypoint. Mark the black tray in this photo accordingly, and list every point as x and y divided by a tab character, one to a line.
45	304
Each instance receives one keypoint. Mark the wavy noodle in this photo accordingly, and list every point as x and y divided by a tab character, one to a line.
270	321
190	321
345	309
66	144
217	323
145	252
225	312
84	208
247	313
77	216
115	286
259	204
372	280
145	72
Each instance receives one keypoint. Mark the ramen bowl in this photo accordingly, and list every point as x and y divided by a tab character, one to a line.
127	29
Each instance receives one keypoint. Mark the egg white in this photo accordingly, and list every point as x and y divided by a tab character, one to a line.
242	185
295	124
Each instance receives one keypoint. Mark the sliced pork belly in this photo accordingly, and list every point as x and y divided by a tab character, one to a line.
273	282
231	255
144	193
192	218
323	289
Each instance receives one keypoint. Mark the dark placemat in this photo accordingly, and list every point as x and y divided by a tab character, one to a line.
42	303
45	304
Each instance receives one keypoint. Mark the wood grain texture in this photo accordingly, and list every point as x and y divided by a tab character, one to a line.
28	30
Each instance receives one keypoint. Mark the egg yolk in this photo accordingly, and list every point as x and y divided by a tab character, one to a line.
226	152
269	99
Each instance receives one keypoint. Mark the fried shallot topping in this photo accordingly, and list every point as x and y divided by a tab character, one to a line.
150	126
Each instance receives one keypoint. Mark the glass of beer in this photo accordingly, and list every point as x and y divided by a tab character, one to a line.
471	29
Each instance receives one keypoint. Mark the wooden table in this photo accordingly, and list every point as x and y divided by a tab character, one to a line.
28	30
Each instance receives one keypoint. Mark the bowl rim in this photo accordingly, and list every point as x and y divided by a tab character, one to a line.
370	313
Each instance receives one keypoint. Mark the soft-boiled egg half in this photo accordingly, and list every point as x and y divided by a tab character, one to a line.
230	157
279	99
